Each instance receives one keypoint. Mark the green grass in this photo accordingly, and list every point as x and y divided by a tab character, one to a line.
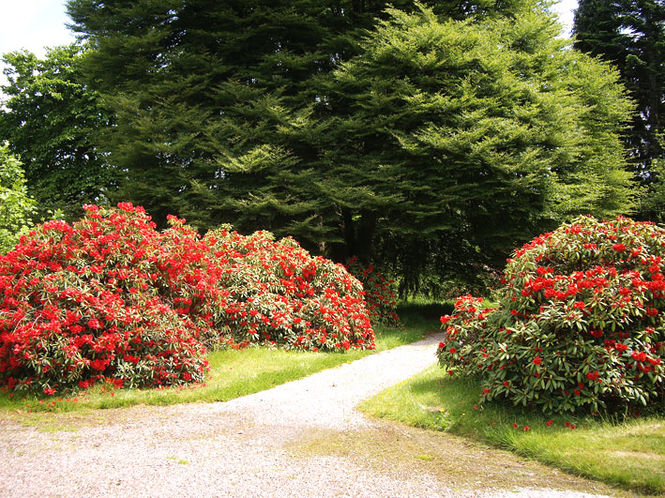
630	454
233	373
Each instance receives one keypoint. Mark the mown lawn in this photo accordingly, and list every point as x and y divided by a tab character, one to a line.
233	373
628	453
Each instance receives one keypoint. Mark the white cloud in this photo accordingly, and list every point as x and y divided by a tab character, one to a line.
33	25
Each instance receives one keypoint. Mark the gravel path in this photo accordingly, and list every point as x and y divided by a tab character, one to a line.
303	438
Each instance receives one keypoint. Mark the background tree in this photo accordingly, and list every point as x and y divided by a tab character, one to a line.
201	87
455	131
460	139
16	207
51	120
631	34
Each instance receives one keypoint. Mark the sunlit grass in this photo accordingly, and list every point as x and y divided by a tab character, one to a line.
233	373
628	453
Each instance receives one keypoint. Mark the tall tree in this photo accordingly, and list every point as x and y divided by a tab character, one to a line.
631	34
197	84
448	141
51	120
480	133
455	129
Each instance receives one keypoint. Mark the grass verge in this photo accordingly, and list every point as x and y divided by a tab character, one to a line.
630	454
233	373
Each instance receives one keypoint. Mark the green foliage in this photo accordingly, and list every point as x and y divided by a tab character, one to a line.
470	136
16	207
652	200
631	35
51	119
443	134
579	325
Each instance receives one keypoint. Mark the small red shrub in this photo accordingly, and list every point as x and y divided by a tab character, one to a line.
81	303
276	292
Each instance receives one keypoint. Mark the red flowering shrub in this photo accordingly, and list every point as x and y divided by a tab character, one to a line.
111	298
380	293
81	303
276	292
579	324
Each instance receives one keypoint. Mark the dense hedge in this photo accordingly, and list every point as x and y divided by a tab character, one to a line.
111	298
579	323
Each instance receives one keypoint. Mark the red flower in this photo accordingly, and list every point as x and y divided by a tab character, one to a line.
537	360
592	375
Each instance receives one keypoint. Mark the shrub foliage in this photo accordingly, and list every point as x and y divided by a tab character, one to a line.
579	323
275	292
111	298
380	292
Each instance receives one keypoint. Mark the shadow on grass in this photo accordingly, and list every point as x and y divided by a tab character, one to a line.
425	310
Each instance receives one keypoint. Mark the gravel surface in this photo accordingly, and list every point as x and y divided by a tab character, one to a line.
303	438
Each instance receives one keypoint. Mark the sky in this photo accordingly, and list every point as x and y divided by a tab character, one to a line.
32	25
36	24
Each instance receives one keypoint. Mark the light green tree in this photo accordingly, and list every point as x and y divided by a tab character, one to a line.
16	207
53	121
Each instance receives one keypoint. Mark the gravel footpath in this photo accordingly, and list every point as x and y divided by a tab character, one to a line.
303	438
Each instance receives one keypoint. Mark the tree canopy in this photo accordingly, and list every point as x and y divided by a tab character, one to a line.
447	138
631	35
52	120
423	136
16	207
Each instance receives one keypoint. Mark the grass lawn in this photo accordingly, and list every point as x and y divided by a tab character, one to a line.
630	454
232	374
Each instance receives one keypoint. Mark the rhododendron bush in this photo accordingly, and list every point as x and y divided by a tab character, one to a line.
110	298
579	324
81	303
276	292
380	292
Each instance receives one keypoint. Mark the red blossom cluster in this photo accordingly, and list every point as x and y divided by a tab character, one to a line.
110	298
579	323
380	292
276	292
